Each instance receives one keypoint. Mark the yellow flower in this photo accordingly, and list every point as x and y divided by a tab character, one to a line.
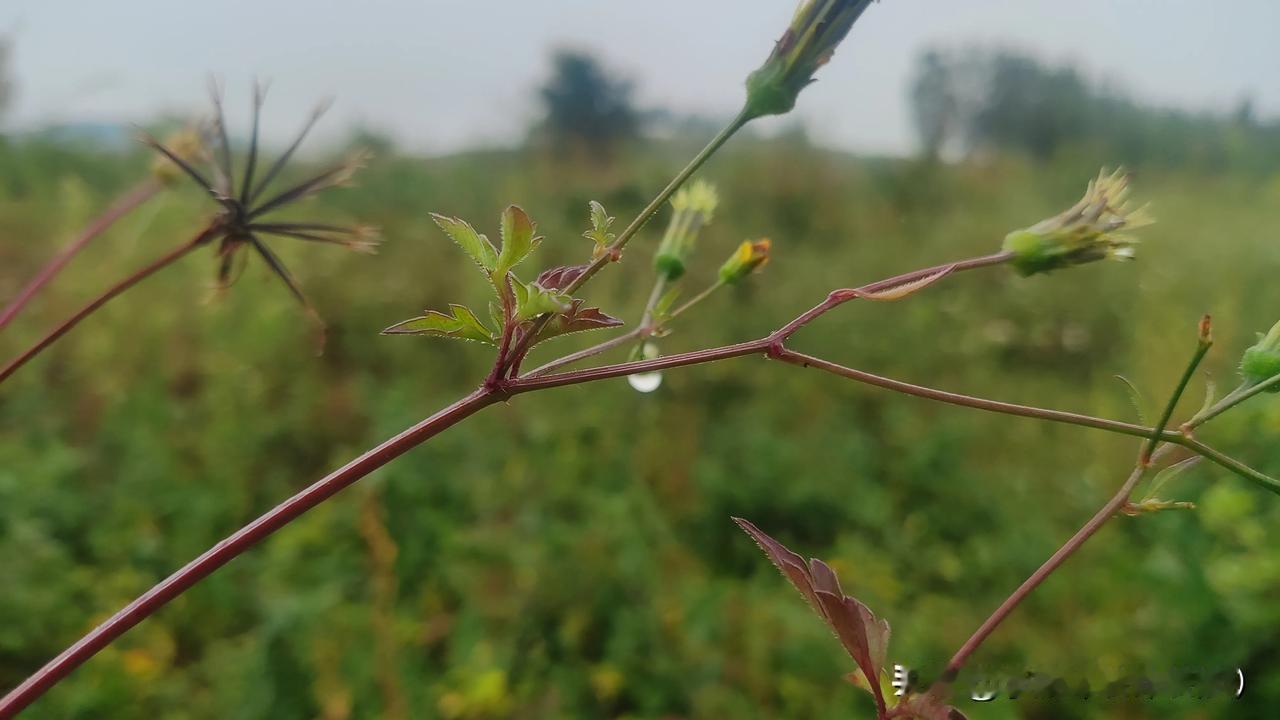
1090	230
748	258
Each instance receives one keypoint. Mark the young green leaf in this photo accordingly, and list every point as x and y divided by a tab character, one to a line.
477	246
599	232
533	300
462	325
518	239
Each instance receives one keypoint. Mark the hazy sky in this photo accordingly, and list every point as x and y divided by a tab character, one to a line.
439	74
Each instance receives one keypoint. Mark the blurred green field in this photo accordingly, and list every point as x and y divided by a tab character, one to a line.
571	554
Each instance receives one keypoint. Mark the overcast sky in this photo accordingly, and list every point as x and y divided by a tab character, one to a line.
441	74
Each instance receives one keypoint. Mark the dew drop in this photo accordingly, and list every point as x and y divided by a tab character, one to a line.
650	381
645	382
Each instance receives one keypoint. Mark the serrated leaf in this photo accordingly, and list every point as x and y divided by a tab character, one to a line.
1210	396
559	278
575	320
495	313
462	325
518	239
533	300
477	246
864	636
599	232
1135	398
1163	477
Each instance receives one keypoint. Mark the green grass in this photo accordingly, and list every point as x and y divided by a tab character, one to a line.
571	554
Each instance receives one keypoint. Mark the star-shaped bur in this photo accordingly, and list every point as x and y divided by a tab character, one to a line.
244	203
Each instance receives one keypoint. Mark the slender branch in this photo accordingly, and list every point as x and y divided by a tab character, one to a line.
240	541
1232	399
706	293
1260	479
613	251
133	279
127	203
1044	571
1203	343
1005	408
623	339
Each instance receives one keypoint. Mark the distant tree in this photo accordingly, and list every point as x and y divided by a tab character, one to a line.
998	100
6	81
933	102
586	106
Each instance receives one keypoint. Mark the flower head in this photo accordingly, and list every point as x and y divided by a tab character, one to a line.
808	43
748	258
694	207
1093	229
243	202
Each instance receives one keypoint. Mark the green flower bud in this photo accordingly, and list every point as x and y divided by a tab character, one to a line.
694	207
1089	231
810	40
748	258
1262	361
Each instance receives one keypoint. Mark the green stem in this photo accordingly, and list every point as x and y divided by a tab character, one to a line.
1232	399
1202	347
1039	576
697	298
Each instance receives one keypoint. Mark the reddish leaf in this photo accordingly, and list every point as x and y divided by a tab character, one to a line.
577	319
559	278
864	636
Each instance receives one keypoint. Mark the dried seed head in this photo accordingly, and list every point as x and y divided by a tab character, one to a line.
748	258
809	42
1092	229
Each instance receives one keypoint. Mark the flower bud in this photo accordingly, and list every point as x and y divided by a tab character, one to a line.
748	258
187	145
1089	231
694	207
810	40
1262	361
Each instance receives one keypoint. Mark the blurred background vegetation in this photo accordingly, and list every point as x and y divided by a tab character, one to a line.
571	554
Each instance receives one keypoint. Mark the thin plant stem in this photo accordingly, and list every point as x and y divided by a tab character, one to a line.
126	204
1081	536
1203	343
1230	400
613	251
234	545
133	279
607	345
706	293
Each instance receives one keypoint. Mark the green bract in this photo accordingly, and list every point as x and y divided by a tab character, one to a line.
1262	361
816	29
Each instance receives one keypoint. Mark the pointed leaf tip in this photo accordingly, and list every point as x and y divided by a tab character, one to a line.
518	238
477	246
